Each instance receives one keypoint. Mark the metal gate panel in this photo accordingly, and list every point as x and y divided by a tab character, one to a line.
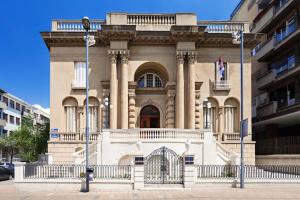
163	166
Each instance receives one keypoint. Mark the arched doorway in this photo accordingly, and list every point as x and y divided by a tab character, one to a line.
150	117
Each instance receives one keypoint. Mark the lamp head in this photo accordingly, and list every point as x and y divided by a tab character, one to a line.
86	23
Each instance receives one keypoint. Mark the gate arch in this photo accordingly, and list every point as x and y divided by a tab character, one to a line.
163	166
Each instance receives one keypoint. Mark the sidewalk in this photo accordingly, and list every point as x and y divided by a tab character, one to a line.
216	191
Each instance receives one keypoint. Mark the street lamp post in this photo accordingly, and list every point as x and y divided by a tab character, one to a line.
86	26
238	38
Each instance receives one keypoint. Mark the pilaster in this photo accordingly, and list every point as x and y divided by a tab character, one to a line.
131	109
170	109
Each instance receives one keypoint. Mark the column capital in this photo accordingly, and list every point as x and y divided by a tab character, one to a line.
180	56
113	56
192	56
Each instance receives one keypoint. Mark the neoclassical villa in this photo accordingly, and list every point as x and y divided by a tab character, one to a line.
156	81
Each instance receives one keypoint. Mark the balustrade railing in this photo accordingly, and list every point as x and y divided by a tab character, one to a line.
221	85
231	136
75	25
155	134
152	19
224	26
33	171
75	136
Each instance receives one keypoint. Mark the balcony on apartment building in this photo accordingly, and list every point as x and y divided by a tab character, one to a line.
3	105
269	16
284	36
279	72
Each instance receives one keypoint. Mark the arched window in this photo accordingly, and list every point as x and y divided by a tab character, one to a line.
93	114
210	109
150	80
231	114
70	106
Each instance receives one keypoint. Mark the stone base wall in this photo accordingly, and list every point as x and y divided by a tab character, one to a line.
249	150
277	160
62	153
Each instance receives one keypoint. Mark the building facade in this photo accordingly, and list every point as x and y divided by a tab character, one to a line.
14	109
275	74
155	80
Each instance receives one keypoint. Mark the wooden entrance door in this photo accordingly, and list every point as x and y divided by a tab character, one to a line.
149	117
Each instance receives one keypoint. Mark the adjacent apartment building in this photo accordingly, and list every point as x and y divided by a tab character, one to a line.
13	109
156	81
275	73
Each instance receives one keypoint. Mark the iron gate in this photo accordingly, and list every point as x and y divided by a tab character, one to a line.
163	166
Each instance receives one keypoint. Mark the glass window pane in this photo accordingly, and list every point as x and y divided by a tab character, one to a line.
141	82
149	80
158	82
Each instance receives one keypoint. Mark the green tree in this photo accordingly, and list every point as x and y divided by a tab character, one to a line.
9	145
29	140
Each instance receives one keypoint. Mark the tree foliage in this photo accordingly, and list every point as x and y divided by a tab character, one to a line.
28	141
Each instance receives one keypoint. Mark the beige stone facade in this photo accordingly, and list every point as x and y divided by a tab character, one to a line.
155	71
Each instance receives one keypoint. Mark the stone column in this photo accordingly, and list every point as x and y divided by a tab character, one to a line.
124	89
180	91
113	90
191	90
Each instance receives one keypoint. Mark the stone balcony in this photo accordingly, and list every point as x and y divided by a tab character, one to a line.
221	85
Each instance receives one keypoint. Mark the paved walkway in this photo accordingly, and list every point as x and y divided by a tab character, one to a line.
217	191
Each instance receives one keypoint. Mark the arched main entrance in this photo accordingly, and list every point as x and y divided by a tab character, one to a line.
150	117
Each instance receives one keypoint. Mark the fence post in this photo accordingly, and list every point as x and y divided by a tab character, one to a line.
19	171
189	170
139	172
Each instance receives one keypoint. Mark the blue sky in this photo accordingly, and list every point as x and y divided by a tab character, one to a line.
24	66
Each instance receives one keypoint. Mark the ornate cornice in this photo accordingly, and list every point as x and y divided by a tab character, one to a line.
127	32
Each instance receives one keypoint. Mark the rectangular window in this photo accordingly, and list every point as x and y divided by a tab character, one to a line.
291	27
291	61
18	106
17	121
5	116
93	118
23	108
12	104
79	74
11	119
5	100
221	71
